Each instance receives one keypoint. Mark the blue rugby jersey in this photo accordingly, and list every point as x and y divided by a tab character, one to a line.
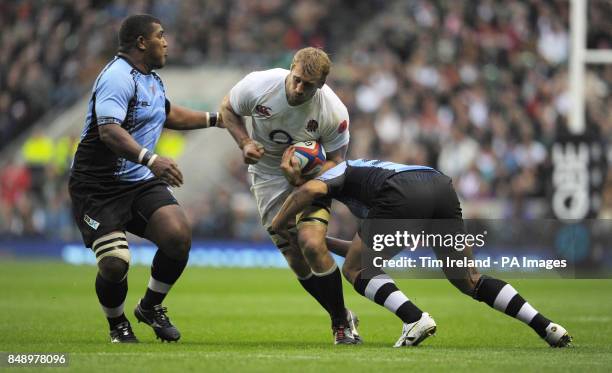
356	183
122	95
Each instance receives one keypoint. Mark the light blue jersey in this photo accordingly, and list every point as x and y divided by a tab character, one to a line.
122	95
357	183
386	165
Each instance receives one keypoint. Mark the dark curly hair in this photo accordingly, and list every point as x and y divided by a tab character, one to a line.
134	26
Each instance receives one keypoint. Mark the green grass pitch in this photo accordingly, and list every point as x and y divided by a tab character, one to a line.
261	320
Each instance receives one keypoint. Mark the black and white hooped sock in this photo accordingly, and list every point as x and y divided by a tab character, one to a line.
504	298
382	290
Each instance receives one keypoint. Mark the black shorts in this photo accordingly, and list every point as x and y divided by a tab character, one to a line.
413	202
101	208
416	195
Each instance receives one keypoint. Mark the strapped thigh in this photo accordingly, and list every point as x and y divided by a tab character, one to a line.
113	244
318	212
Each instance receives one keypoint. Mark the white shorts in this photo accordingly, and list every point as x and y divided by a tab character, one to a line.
270	193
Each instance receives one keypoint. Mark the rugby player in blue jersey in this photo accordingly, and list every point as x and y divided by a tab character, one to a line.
377	192
118	184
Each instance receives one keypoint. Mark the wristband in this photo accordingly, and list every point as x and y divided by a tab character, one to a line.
150	162
143	152
211	119
147	158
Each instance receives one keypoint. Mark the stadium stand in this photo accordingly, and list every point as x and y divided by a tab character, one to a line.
477	89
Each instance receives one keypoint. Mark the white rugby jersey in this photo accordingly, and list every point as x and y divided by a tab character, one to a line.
261	95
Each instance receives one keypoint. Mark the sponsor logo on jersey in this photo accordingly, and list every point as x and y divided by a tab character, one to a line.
153	89
343	126
263	110
280	137
108	120
312	126
91	222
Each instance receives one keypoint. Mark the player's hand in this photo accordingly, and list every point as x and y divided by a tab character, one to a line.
252	151
167	170
291	168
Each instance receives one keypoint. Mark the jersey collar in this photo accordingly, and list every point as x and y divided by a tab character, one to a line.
126	59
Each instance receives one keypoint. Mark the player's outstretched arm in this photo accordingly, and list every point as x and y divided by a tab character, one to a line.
122	144
182	118
252	151
297	201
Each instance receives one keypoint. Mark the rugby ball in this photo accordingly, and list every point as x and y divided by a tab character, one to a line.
310	156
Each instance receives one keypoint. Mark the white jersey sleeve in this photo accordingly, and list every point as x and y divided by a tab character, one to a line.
335	133
243	95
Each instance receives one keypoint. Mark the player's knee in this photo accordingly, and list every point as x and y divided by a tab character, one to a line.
312	246
113	269
177	242
464	279
466	285
462	285
112	256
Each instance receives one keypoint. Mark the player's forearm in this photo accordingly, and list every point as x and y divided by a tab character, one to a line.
120	142
297	201
234	123
334	158
327	165
238	131
182	119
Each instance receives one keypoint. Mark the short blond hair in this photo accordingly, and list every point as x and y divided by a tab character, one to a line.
314	61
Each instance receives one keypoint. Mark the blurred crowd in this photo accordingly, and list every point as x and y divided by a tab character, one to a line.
478	89
50	52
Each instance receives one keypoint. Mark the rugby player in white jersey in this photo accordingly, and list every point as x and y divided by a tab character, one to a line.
288	106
